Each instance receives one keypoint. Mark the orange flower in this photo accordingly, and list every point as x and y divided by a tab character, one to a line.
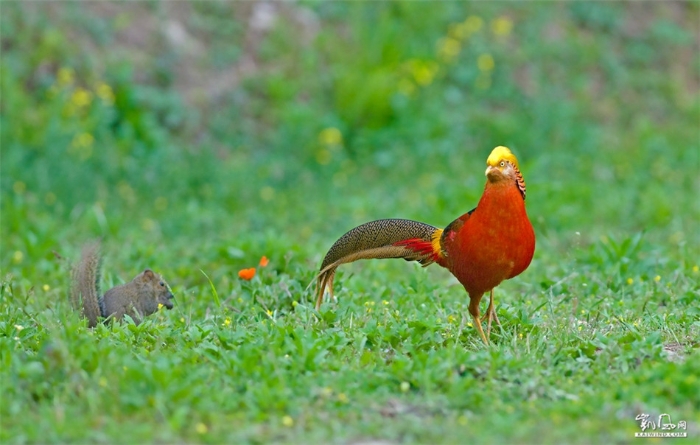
264	261
247	274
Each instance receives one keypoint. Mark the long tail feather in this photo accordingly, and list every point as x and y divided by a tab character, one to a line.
384	238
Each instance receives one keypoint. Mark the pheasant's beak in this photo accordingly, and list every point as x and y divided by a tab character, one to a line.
494	174
491	171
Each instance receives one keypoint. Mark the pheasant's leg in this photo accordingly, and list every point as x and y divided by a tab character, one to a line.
474	311
491	315
498	322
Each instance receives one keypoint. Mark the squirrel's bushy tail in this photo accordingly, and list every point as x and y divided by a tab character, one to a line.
86	281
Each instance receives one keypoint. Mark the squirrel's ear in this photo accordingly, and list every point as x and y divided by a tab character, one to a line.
148	273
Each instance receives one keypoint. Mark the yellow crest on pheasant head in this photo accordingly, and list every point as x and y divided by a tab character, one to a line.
499	154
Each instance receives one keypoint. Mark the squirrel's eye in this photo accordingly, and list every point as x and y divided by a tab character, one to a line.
162	284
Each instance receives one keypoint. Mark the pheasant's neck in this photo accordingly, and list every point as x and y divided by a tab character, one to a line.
502	199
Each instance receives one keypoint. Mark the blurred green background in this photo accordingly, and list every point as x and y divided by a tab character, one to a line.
164	120
203	135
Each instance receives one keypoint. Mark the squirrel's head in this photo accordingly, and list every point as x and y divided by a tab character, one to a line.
161	291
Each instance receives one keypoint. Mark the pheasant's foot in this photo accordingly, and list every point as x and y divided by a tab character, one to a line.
477	324
491	315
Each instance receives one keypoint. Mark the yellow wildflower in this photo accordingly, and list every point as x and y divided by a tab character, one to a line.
485	62
81	97
86	139
630	281
424	72
65	76
502	26
105	93
201	428
448	48
323	156
657	278
287	421
473	23
330	136
81	146
458	31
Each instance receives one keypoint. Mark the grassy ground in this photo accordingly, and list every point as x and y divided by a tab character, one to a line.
184	160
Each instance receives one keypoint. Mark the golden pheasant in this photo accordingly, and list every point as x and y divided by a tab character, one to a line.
491	243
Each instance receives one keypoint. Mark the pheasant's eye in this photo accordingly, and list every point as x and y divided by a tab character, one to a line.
503	164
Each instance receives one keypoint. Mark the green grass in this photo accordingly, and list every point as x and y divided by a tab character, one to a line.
598	101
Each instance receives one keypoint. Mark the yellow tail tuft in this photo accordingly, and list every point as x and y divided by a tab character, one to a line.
435	240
